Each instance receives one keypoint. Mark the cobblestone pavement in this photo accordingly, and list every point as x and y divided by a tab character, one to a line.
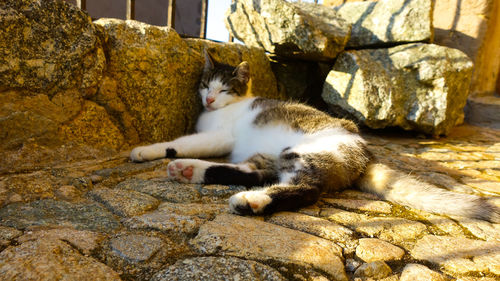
109	219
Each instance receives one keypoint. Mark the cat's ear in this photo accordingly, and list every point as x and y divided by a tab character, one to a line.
209	61
242	72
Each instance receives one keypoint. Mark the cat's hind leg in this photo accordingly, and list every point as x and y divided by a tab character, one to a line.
255	171
299	186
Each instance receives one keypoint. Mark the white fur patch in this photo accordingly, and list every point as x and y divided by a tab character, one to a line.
327	141
256	199
149	152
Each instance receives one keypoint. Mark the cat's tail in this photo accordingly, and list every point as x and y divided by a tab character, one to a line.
406	190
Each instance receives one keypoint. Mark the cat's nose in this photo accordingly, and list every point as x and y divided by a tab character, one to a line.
210	100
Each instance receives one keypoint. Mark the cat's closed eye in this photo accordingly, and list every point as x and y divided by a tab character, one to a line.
203	85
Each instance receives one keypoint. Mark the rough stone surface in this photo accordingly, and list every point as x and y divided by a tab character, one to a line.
33	259
135	248
173	217
451	162
140	255
392	229
418	272
58	213
387	22
372	249
300	30
419	87
125	203
459	255
316	226
376	270
48	46
167	190
83	240
361	204
155	74
251	238
6	235
217	268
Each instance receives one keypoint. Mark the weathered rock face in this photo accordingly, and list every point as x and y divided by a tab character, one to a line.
72	102
459	255
387	22
422	87
48	46
218	268
299	30
250	238
155	75
31	260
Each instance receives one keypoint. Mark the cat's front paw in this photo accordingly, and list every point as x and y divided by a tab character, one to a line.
187	170
138	154
249	202
151	152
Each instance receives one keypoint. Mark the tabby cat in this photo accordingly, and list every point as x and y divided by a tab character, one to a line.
295	151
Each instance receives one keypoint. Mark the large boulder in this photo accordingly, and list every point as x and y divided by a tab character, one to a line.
48	46
51	65
387	22
302	30
151	80
418	86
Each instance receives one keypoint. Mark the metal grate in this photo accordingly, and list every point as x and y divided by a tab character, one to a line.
130	14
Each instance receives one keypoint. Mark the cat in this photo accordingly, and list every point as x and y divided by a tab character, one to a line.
295	151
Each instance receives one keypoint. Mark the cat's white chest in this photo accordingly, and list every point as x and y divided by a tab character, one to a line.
224	119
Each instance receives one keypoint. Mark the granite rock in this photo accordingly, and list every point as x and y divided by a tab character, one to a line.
49	46
81	216
459	255
217	268
251	238
300	30
156	78
376	270
373	249
50	259
84	240
176	217
317	226
418	272
125	203
420	87
387	22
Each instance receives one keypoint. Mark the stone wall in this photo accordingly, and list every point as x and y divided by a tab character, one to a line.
71	88
471	26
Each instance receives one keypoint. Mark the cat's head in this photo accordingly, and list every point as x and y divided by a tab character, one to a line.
222	84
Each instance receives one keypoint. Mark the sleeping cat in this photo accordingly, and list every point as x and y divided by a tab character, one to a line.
295	151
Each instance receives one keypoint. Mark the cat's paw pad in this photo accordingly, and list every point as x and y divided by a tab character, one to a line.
249	202
186	170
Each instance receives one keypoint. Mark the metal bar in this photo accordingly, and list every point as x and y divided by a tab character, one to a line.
82	4
171	14
203	19
231	38
130	9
